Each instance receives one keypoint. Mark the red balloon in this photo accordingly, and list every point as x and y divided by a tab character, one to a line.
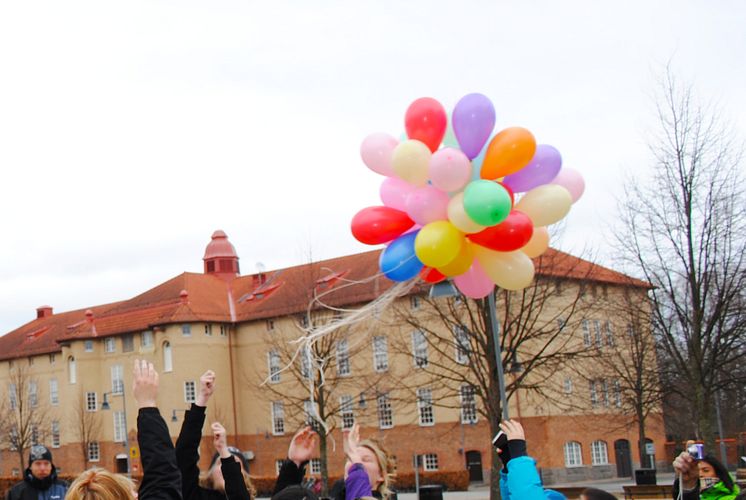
431	275
510	192
375	225
426	121
511	234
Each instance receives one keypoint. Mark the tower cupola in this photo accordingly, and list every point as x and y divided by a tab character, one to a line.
220	256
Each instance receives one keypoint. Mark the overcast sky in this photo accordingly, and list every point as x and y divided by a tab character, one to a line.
130	131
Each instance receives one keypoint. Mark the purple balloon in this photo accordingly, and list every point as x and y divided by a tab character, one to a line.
543	167
473	120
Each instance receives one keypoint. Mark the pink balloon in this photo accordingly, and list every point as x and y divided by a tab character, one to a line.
376	151
394	192
427	204
474	283
572	181
450	169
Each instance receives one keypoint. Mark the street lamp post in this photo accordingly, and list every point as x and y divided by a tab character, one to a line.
106	406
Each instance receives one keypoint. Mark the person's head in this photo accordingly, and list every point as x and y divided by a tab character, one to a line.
100	484
40	461
554	495
295	492
379	466
213	478
711	471
596	494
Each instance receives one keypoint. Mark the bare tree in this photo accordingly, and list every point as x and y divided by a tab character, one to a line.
87	426
453	343
26	417
683	229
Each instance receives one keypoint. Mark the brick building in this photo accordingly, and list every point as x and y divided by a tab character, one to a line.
70	362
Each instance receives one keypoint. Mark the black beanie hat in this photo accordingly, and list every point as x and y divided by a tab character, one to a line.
39	452
295	492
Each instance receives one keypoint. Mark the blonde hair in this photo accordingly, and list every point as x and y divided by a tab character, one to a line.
386	463
100	484
205	480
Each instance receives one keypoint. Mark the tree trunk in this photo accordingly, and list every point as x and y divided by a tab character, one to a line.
642	441
323	451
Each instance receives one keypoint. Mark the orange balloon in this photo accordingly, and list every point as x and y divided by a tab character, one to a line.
508	152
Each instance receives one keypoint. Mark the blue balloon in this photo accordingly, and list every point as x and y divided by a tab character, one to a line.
398	260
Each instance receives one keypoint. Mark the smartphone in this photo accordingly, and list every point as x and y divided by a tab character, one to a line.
500	440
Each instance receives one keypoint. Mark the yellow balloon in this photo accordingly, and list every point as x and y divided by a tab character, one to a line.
438	243
538	243
411	161
545	204
461	263
458	216
509	270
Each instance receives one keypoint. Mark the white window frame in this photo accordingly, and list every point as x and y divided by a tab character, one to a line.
88	346
314	466
593	393
598	335
72	370
120	431
117	379
343	358
110	345
168	357
599	453
605	392
468	398
13	396
430	462
94	451
419	349
425	411
384	411
33	394
609	330
147	339
55	438
186	330
208	329
586	326
91	401
54	392
573	452
277	409
380	354
273	364
346	411
567	385
463	347
190	391
305	362
278	466
128	342
617	393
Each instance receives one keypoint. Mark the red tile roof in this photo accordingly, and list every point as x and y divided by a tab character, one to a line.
342	281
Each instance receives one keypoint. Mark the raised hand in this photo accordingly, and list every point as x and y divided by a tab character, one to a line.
302	445
206	388
686	466
513	430
145	384
351	444
219	440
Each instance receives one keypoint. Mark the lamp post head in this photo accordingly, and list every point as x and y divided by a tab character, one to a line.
105	405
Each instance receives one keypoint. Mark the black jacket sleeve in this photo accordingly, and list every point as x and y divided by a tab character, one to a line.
187	451
688	494
161	478
290	474
235	486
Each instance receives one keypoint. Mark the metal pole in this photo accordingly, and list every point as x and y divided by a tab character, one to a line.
498	356
416	476
723	452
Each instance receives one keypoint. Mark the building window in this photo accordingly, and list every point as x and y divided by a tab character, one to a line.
52	358
597	330
72	371
208	329
425	406
13	438
278	466
146	339
586	325
609	330
573	454
594	393
186	330
419	349
190	391
468	404
91	401
605	392
463	347
309	412
34	434
223	330
54	392
88	346
568	385
168	360
414	302
305	362
128	343
561	324
315	466
13	396
346	411
31	361
33	394
109	344
119	430
270	325
117	379
385	415
273	360
380	354
303	320
94	452
430	461
278	418
617	394
599	454
343	357
55	434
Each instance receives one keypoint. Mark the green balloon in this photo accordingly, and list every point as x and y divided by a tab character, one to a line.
486	202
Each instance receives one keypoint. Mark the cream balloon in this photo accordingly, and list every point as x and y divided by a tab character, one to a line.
458	216
509	270
410	161
545	204
538	243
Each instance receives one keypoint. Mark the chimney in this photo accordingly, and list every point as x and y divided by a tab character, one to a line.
184	297
43	312
89	316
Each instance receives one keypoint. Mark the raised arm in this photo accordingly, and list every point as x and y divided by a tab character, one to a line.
300	451
235	486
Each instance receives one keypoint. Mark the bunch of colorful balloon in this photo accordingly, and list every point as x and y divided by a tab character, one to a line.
449	205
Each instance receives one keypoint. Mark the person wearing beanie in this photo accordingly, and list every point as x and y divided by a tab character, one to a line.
228	475
40	480
519	479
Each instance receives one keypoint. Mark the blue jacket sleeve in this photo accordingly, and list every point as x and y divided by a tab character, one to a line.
504	490
523	480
